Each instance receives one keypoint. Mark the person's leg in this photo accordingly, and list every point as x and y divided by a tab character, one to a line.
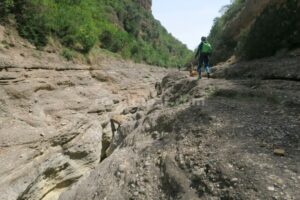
199	70
200	66
206	62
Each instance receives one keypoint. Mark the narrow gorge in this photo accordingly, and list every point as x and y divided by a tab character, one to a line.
96	125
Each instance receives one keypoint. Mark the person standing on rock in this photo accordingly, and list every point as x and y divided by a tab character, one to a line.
203	52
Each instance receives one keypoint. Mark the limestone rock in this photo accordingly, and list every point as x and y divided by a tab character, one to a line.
279	152
55	118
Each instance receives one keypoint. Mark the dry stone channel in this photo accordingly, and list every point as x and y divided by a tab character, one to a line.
58	120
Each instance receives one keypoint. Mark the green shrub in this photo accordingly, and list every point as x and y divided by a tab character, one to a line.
31	22
5	7
114	40
239	50
69	54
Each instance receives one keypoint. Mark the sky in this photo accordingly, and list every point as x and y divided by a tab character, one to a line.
188	20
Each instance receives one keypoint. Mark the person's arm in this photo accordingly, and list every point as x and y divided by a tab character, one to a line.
199	50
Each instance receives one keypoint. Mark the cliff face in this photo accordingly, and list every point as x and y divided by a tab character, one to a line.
245	18
147	4
249	25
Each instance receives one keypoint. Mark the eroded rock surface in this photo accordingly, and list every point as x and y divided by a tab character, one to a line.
208	139
55	116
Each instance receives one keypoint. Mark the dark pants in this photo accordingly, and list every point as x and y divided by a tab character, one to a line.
203	59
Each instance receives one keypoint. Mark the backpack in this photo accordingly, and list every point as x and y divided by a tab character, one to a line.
206	48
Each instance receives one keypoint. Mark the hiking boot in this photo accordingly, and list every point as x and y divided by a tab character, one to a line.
208	75
199	77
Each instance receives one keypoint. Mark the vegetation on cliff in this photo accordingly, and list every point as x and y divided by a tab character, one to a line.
278	27
123	27
223	45
275	28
